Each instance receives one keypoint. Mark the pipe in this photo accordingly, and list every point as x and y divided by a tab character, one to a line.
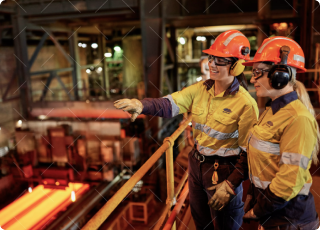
177	208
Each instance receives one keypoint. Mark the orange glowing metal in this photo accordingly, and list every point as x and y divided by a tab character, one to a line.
32	208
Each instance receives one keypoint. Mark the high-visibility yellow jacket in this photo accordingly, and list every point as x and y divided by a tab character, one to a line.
280	150
220	123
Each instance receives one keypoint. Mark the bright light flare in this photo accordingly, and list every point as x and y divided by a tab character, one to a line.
73	196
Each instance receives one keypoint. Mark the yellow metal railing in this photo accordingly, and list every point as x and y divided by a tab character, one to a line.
167	146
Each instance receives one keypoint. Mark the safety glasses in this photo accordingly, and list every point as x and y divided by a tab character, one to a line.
220	61
258	73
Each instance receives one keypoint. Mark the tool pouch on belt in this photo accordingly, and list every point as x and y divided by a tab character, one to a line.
215	177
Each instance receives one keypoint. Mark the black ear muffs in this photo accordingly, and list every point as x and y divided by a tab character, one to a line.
280	74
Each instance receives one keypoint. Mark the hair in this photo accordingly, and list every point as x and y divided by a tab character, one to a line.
305	99
243	81
241	77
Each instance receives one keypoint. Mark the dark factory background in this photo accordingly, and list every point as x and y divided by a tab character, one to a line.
65	151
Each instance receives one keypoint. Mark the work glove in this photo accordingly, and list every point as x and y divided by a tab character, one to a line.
132	106
222	195
249	216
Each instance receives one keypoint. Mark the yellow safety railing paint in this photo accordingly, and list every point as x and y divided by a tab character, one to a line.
167	146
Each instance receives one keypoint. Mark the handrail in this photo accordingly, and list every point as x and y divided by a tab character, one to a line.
95	222
168	206
177	208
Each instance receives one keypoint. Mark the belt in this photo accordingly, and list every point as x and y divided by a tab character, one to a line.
212	159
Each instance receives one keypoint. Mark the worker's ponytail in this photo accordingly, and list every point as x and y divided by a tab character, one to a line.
242	80
305	99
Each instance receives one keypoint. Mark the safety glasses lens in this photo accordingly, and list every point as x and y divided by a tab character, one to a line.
218	60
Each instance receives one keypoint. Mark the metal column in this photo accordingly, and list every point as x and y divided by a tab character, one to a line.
152	30
76	72
21	53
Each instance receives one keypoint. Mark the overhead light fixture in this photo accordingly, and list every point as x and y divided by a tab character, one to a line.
117	48
99	70
30	190
201	38
182	40
88	71
108	54
80	44
94	45
84	45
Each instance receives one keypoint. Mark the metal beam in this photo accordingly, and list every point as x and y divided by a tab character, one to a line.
127	12
12	79
46	86
152	30
76	72
60	48
32	26
7	10
36	52
51	71
306	31
174	72
152	36
171	53
21	54
62	85
105	71
211	20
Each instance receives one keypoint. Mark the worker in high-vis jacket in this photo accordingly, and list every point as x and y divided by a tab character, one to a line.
284	142
222	113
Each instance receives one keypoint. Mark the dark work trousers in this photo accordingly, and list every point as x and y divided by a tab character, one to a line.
310	226
200	178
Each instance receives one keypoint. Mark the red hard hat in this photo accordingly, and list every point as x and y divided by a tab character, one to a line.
270	51
231	43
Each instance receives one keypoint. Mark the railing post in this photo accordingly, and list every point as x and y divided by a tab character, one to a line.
170	175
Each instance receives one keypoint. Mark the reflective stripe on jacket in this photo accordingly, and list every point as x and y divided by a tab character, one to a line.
220	123
280	150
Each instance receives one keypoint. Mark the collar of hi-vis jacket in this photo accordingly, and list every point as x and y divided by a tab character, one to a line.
232	89
282	101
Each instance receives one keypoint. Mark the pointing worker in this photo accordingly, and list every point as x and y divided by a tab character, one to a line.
284	142
222	113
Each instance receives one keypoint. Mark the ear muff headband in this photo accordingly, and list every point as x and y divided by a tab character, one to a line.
280	74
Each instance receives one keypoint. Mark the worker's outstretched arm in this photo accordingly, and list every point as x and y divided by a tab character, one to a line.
168	106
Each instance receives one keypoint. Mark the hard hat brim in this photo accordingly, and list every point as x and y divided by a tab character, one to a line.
299	69
216	53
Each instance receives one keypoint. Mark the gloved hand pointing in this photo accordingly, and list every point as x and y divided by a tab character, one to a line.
132	106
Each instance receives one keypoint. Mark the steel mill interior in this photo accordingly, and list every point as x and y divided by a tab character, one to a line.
159	114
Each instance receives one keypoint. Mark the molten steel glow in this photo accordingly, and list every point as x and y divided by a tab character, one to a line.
31	209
